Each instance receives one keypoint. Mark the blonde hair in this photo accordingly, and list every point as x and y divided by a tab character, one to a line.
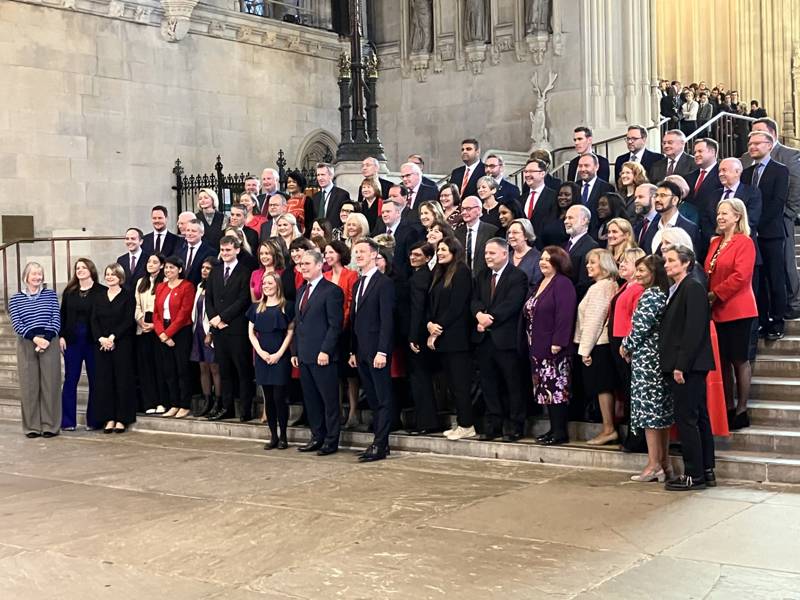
292	220
676	236
362	223
117	270
211	194
632	255
262	304
627	231
607	263
740	210
27	271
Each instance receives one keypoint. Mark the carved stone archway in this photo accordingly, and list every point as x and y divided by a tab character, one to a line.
318	146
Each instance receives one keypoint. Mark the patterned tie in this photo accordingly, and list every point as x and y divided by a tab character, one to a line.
133	264
324	204
465	181
469	247
727	194
634	158
671	167
227	274
643	232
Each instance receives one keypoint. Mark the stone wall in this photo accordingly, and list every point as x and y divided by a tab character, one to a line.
96	108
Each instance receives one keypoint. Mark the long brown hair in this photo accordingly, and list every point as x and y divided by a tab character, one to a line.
73	284
447	272
262	304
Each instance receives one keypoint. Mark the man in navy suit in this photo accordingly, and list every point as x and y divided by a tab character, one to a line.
730	173
466	176
418	192
506	191
666	203
134	261
193	250
703	185
582	139
371	343
319	314
576	224
675	161
329	199
592	186
772	180
636	140
540	205
644	204
161	240
405	232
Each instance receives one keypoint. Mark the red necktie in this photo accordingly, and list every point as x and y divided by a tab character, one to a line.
699	180
465	180
304	299
643	232
531	203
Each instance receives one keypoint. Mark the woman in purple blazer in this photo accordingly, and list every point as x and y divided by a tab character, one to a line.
549	321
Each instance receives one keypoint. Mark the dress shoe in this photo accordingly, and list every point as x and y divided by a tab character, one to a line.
512	437
648	476
245	418
122	429
372	448
710	477
221	414
488	436
731	417
554	441
35	434
684	483
775	335
373	454
312	446
108	430
740	421
326	450
603	439
271	444
49	434
544	436
283	445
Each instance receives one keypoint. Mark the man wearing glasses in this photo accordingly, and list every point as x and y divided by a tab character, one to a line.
540	205
474	234
636	141
666	203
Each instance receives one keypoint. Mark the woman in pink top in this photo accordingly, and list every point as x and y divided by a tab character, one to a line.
270	260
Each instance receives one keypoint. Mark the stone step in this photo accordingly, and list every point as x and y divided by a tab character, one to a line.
783	415
785	389
788	345
765	439
777	365
792	328
8	374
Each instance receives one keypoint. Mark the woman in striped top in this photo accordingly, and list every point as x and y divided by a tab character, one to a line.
36	318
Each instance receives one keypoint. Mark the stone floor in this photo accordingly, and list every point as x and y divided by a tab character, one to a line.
153	515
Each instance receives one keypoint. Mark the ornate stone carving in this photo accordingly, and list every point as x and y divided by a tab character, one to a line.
540	136
216	28
421	26
476	55
116	8
495	54
345	66
537	46
176	20
475	21
142	14
70	4
420	62
243	34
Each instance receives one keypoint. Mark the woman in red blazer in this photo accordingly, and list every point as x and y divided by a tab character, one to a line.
729	266
172	323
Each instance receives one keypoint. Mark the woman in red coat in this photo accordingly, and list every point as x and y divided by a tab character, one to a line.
172	323
729	266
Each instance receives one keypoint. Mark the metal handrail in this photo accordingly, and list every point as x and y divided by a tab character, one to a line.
4	248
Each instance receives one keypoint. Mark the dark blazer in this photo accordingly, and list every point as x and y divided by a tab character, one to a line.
337	197
69	311
599	188
385	186
212	234
169	242
545	210
317	329
486	232
113	318
371	318
774	188
509	296
419	285
707	189
685	343
424	193
668	107
457	176
752	201
426	180
682	222
230	300
683	167
139	271
252	238
648	160
578	252
203	251
406	235
449	307
603	171
507	191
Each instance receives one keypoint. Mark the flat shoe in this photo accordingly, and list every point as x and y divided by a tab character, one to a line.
602	440
33	434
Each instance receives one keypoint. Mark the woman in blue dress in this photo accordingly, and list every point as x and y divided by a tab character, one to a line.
270	329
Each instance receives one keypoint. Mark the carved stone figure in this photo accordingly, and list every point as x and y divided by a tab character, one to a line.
540	137
537	16
475	21
421	25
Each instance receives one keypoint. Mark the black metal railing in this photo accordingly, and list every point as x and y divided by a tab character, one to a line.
730	131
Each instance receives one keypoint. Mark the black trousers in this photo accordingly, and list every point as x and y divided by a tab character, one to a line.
457	372
772	283
499	371
276	401
694	427
151	372
114	383
377	384
175	363
235	358
321	399
420	377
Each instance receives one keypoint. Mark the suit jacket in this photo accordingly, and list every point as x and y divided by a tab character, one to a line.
682	222
599	188
507	191
685	343
486	232
419	285
449	307
203	251
229	300
774	188
181	305
457	176
169	242
704	113
752	201
336	198
648	160
504	306
139	270
406	234
317	329
69	311
424	194
580	276
545	211
251	237
790	158
603	171
683	167
426	180
668	108
372	318
705	194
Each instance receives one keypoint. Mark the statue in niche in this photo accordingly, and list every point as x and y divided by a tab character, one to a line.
540	137
421	25
537	16
475	21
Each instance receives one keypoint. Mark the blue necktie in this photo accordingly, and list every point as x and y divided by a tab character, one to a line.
585	194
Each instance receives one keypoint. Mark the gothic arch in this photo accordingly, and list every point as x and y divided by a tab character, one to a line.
316	146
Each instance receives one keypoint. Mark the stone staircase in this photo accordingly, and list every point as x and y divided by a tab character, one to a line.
768	451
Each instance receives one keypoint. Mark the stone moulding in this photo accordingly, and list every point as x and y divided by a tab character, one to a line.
173	16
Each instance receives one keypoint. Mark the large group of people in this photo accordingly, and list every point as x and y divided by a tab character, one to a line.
591	296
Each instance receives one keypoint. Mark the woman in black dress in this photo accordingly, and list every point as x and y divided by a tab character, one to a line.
113	327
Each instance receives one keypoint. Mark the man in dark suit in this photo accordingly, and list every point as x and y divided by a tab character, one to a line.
644	204
370	168
371	343
772	180
277	205
329	199
418	192
405	233
134	261
193	250
319	314
236	220
576	224
592	186
474	234
161	240
466	176
582	139
730	172
270	181
497	300
666	201
540	205
636	140
227	301
417	160
703	184
675	161
506	191
668	107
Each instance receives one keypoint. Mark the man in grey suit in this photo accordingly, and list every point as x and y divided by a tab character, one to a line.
675	161
474	234
791	159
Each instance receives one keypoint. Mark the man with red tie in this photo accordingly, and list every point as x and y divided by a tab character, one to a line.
540	205
643	201
466	176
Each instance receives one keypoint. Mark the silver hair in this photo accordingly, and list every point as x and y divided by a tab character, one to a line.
489	181
413	166
677	133
27	271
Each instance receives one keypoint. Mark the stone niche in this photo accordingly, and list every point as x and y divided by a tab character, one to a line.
97	104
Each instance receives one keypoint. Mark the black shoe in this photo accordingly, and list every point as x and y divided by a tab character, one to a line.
544	436
245	418
711	479
488	437
108	430
424	431
731	417
35	434
326	450
369	448
283	445
775	335
222	414
792	314
740	421
120	429
373	454
512	437
49	434
312	446
271	444
554	441
684	483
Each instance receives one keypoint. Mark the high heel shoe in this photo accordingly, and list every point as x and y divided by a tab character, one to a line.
648	476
